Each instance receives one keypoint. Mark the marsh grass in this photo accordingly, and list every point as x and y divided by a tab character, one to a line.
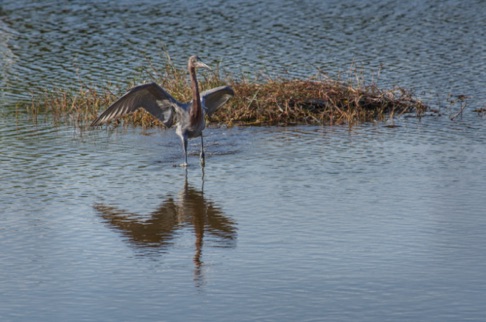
268	101
291	102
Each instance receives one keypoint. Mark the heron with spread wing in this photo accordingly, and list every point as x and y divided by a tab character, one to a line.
189	117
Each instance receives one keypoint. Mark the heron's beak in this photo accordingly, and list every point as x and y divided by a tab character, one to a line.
200	64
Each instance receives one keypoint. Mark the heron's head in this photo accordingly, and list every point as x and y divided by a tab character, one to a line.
195	62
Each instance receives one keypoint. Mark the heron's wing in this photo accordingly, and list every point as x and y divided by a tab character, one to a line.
151	97
214	98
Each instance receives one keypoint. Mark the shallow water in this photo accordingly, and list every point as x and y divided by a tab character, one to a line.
302	223
284	224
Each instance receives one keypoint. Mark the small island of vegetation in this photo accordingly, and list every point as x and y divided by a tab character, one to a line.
271	101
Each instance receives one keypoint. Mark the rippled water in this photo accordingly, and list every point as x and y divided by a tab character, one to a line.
435	48
284	224
304	223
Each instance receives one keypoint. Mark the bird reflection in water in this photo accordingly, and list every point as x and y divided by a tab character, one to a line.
190	208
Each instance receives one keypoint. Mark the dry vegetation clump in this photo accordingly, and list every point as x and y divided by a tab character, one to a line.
290	102
270	102
60	105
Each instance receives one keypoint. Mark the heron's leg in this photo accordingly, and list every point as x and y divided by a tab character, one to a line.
203	161
184	146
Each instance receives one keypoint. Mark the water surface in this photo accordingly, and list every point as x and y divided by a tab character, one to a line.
284	224
434	48
300	223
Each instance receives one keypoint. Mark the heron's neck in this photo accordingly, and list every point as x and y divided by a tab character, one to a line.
196	111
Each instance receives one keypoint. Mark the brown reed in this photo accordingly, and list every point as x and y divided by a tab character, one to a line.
281	101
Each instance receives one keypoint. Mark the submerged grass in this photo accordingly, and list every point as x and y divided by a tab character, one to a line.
281	101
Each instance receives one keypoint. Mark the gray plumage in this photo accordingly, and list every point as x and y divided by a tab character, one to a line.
188	116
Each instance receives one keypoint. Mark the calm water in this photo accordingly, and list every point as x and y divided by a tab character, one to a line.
285	224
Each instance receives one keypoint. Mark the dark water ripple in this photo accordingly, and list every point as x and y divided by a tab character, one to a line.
434	48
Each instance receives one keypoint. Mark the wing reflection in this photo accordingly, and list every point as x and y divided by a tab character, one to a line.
189	209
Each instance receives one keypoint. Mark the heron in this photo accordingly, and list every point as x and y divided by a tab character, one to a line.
189	117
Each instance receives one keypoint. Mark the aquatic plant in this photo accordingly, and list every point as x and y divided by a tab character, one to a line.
270	101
